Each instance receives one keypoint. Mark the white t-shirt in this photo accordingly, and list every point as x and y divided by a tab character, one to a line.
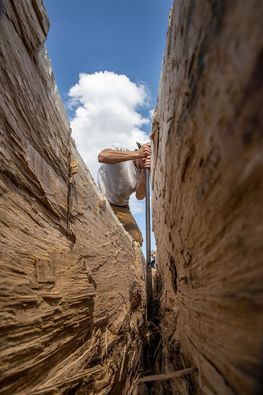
118	181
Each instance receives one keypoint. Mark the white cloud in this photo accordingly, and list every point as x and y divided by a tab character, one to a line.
107	113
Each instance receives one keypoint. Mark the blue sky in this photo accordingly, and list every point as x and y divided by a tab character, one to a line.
118	47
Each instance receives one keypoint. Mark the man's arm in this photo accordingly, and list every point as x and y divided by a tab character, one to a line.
108	155
140	188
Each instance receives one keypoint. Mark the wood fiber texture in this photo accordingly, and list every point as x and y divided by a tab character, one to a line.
72	289
208	194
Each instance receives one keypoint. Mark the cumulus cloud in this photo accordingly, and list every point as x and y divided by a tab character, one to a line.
107	112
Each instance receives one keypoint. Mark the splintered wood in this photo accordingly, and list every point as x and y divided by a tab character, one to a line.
166	376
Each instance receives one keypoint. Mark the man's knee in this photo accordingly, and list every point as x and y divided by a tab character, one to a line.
138	237
135	232
126	218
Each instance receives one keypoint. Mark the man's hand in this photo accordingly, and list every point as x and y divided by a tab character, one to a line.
145	164
144	151
145	154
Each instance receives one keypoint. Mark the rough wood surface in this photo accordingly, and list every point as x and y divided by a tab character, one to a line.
208	193
72	290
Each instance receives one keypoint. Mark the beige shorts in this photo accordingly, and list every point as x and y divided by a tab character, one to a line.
125	217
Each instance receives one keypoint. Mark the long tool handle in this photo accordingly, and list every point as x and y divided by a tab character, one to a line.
149	290
148	217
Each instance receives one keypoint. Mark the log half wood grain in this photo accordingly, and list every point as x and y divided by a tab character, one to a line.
72	290
208	193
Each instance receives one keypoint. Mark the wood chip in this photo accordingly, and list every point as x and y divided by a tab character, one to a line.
167	376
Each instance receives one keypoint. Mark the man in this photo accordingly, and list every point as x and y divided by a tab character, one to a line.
121	174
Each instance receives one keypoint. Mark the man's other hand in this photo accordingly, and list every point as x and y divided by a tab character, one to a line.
146	162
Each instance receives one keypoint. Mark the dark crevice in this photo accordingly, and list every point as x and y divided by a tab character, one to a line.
173	272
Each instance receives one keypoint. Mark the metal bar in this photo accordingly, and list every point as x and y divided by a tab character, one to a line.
167	376
149	290
148	217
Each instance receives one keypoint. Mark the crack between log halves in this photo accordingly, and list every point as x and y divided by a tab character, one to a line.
70	233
